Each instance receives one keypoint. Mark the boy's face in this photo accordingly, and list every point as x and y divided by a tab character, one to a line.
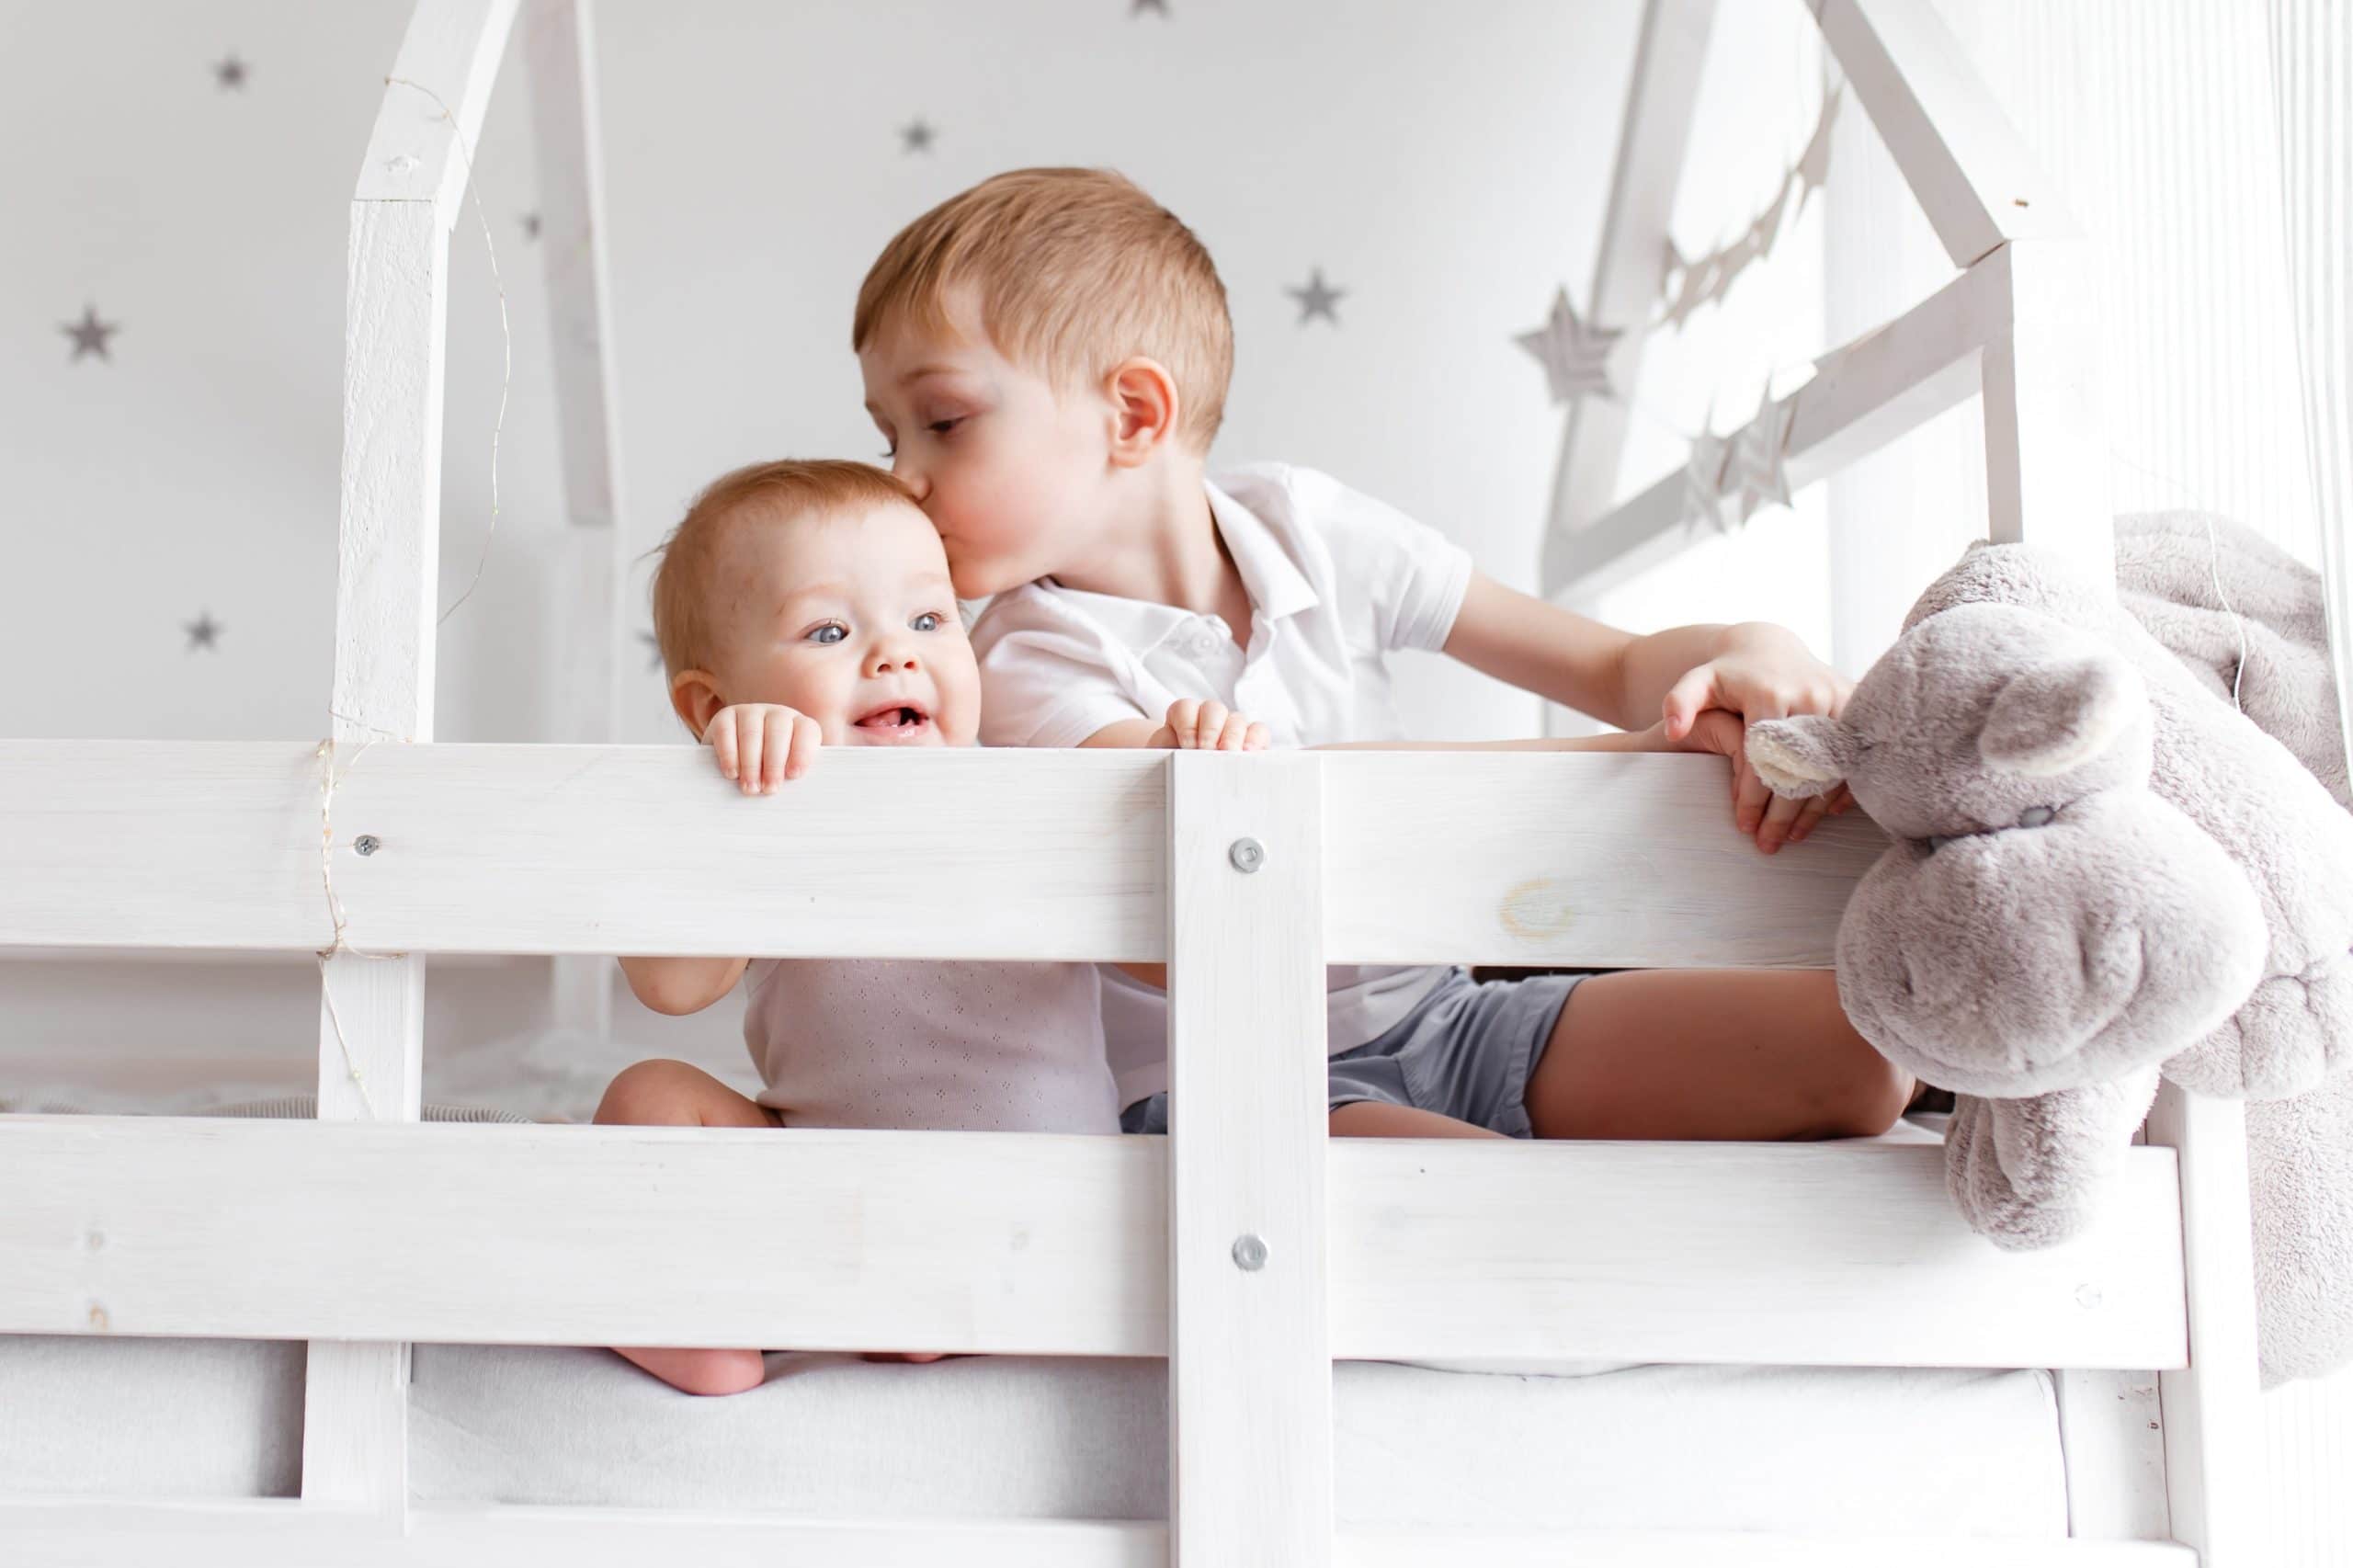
851	620
1008	467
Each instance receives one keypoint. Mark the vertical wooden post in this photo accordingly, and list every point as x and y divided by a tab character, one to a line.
2046	434
589	622
2213	1416
372	1012
1250	1370
355	1429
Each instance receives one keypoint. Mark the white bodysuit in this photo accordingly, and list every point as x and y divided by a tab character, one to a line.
923	1044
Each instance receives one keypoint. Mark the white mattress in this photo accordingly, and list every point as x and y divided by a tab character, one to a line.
1682	1447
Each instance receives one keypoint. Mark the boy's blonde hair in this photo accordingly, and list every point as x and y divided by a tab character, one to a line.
1076	270
686	584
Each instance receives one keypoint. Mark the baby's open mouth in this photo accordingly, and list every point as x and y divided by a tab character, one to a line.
895	721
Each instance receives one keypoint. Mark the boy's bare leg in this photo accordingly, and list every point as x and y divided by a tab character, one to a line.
673	1093
1763	1055
1377	1118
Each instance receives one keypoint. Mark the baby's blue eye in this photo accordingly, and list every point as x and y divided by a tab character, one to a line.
832	631
927	621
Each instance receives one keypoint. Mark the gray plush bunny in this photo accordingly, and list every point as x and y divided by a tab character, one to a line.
2099	872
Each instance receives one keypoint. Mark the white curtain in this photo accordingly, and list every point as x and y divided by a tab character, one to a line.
2310	1425
2311	59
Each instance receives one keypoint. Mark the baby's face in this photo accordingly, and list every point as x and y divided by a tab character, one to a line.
1009	468
851	620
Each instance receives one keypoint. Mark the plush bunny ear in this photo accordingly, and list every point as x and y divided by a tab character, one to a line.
2057	717
1801	757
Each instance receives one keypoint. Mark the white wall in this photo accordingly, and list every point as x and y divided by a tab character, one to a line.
1446	168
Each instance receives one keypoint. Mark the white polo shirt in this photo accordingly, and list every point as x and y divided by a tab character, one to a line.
1337	581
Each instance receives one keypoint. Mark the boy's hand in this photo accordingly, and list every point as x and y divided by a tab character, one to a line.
1761	672
761	744
1194	725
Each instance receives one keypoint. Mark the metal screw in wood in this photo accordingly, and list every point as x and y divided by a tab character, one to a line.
1249	1253
367	844
1247	854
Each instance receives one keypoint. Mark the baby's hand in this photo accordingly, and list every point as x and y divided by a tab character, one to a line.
1194	725
1761	672
1726	735
761	744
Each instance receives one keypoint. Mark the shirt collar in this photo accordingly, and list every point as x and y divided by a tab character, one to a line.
1276	586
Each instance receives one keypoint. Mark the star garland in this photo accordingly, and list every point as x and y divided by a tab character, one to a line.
1692	281
1574	352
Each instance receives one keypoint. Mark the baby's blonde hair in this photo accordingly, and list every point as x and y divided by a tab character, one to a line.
686	584
1076	270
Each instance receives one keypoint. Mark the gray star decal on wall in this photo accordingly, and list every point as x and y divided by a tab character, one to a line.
230	74
1574	352
1316	297
530	222
202	632
90	334
917	134
653	650
1138	8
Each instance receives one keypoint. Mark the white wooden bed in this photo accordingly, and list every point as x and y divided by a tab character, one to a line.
1243	1249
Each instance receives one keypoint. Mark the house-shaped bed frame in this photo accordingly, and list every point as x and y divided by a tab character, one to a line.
1245	1248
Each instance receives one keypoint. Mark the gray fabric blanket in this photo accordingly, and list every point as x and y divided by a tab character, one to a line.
2101	871
2300	1148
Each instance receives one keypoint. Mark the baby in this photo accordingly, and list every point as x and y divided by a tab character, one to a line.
803	605
1048	356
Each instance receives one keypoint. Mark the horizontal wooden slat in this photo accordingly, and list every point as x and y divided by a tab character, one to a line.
271	1534
1417	1548
1611	860
132	844
1801	1255
583	1235
583	849
1834	1255
1597	858
1972	175
1864	394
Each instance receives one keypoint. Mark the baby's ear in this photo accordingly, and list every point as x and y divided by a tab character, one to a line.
2056	717
1801	757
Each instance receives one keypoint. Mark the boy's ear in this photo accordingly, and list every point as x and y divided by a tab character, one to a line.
694	695
1143	409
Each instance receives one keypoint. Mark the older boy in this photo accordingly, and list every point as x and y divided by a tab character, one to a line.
1048	356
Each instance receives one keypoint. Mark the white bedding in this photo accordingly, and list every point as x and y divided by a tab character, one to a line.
1685	1446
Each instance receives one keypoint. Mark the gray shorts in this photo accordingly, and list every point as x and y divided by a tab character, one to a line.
1466	1049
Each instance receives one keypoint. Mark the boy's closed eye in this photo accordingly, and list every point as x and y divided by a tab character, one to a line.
941	428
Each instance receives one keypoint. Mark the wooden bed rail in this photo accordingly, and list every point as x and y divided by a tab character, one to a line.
270	1534
1844	1254
1600	859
